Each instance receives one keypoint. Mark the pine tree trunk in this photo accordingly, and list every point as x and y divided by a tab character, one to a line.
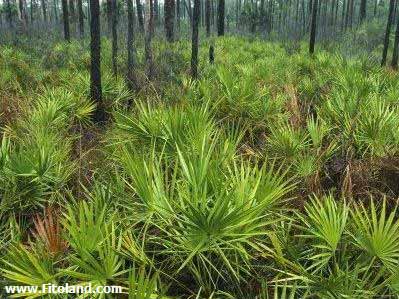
149	20
362	11
9	15
140	15
22	15
169	19
99	115
155	12
131	78
44	10
208	30
395	54
220	19
178	14
81	19
194	41
387	32
55	3
72	16
313	27
109	17
114	37
65	17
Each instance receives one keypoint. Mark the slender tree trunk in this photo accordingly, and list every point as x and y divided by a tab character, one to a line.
220	22
347	12
387	32
362	11
149	20
140	15
95	66
208	30
351	13
109	17
169	19
9	14
178	14
194	42
187	3
313	27
55	3
131	77
32	18
336	13
155	13
72	16
44	10
81	19
395	55
22	15
114	37
65	17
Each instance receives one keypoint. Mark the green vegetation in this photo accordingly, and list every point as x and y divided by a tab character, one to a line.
272	176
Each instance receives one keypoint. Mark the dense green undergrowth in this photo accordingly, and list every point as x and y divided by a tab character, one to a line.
273	176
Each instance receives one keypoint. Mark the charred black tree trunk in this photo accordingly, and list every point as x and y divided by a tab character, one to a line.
140	15
131	78
194	40
387	32
114	37
81	19
221	18
313	27
99	115
65	17
169	19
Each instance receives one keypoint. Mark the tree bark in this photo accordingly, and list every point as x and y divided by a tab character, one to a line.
81	19
362	11
109	17
387	32
220	19
65	17
99	115
194	40
44	10
169	19
9	14
114	37
149	20
72	15
395	54
140	16
313	27
208	30
131	77
178	8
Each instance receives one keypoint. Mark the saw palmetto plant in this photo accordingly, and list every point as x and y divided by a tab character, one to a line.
273	175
